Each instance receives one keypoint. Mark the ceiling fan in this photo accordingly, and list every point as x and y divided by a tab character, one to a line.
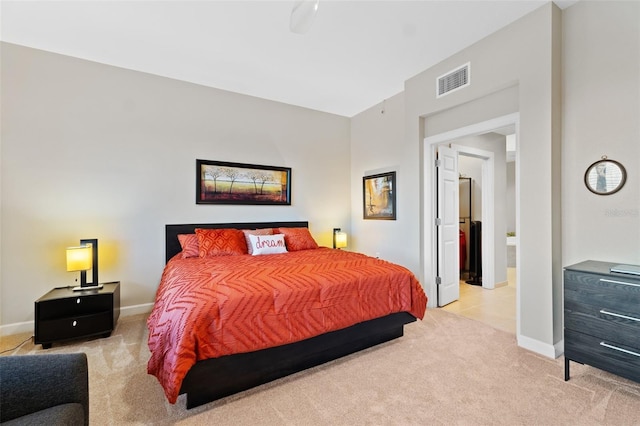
302	15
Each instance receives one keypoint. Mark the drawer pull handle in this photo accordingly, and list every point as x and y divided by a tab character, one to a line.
606	345
78	300
74	323
602	280
603	311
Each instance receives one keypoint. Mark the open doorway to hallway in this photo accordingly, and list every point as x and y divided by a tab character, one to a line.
495	305
432	253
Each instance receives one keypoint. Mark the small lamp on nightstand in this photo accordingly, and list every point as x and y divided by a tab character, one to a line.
82	258
339	238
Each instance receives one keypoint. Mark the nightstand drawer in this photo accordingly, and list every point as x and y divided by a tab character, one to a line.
602	353
74	306
622	329
72	327
615	293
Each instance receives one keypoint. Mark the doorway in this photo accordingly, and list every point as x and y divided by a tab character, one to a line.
496	240
494	305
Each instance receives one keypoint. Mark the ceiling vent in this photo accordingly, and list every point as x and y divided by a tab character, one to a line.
453	80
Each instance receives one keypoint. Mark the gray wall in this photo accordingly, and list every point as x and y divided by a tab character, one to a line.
513	70
377	146
601	92
94	151
574	78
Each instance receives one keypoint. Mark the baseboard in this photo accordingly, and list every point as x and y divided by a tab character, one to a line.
16	328
559	347
545	349
501	284
128	311
27	326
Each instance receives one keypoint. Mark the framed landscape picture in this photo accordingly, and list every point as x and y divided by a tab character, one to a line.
379	196
220	182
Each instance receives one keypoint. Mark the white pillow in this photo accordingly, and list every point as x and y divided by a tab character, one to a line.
267	244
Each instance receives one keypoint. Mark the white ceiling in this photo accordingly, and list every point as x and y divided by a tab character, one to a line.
356	54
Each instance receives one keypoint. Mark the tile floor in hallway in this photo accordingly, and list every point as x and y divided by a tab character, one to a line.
494	307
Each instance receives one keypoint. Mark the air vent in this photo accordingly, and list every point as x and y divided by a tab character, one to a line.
453	80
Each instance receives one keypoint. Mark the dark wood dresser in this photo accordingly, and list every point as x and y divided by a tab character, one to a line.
602	319
64	314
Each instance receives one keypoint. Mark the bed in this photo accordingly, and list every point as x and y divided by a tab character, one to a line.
235	366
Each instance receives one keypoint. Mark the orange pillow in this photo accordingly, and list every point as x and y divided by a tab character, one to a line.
189	244
247	232
221	242
298	239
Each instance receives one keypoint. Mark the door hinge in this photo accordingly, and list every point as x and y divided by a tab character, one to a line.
438	280
438	163
438	221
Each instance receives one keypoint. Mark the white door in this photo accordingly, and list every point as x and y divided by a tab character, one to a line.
448	227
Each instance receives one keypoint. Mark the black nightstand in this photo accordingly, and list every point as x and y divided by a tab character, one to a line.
64	314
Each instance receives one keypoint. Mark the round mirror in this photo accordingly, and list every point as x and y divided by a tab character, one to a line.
605	177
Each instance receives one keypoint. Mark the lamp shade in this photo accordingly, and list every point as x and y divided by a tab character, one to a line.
79	258
341	239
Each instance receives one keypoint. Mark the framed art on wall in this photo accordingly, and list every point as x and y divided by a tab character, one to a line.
221	182
379	196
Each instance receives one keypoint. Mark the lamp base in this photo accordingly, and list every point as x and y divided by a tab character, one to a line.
88	287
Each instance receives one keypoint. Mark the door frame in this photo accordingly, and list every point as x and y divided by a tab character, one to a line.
429	261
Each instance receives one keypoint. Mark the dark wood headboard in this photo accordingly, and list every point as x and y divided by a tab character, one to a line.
172	245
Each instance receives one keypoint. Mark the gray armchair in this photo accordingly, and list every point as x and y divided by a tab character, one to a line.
44	389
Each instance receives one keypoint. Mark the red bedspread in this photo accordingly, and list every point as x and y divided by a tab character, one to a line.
210	307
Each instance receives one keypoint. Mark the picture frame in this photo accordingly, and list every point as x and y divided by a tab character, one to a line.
605	177
222	182
379	196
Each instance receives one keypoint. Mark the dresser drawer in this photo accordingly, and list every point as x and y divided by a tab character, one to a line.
74	306
602	353
622	329
616	294
76	326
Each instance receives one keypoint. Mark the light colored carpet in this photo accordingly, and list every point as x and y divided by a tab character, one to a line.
446	370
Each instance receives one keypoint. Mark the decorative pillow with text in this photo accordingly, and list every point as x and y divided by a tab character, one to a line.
267	244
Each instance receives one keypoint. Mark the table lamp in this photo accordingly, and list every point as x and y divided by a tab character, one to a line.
82	258
339	238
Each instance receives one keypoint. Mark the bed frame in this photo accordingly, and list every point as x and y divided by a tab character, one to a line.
215	378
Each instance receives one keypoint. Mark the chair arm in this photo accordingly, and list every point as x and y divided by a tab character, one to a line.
30	383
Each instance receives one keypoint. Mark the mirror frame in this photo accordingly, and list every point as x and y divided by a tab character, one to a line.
614	190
